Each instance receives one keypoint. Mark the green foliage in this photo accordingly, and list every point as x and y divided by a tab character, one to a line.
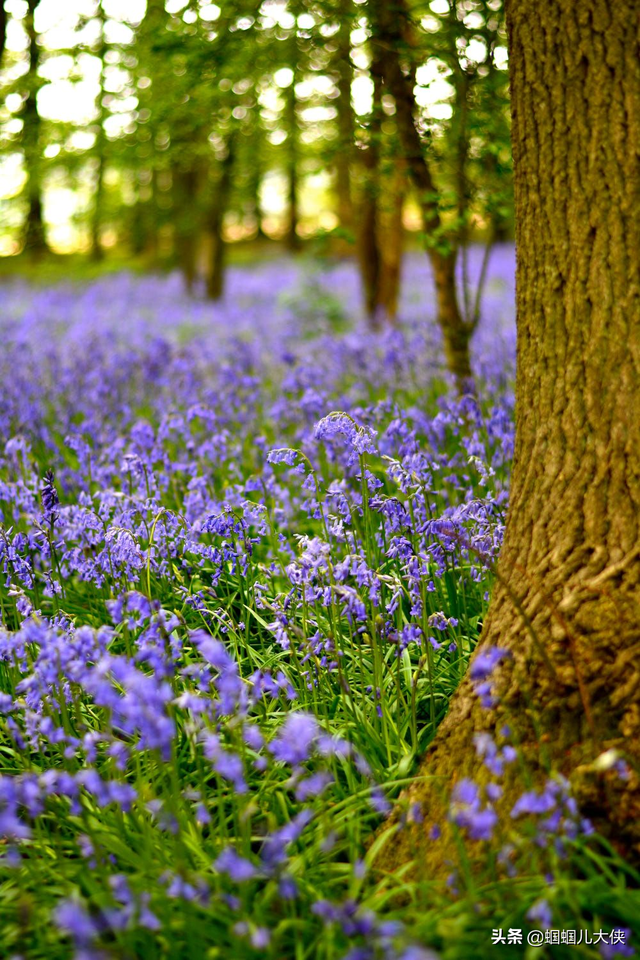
173	88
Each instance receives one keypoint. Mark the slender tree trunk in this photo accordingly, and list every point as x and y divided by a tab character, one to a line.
368	228
34	235
389	22
456	333
215	276
144	226
391	240
139	231
368	251
97	252
380	231
345	118
255	185
3	29
186	224
567	602
292	237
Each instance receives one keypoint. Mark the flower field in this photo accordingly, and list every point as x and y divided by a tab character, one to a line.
246	553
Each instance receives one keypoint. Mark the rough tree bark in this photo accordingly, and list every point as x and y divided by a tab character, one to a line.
570	558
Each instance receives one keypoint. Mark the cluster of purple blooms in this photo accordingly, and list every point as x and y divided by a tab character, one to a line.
235	563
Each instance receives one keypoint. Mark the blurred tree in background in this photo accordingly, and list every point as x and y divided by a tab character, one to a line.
169	130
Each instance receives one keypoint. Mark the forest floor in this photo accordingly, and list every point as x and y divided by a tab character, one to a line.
247	551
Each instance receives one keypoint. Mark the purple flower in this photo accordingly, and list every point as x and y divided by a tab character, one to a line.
485	661
465	791
540	913
287	888
618	945
296	739
238	868
260	938
313	785
275	844
282	455
379	801
532	802
50	499
72	917
467	812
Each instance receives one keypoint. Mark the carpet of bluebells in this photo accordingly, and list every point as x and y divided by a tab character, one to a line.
246	551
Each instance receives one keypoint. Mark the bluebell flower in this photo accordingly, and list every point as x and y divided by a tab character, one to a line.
623	948
466	811
485	662
238	868
72	917
296	739
50	499
540	913
532	802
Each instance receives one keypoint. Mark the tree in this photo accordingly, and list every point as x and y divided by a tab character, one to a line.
3	29
368	232
97	214
34	236
293	76
345	117
217	209
566	604
445	202
380	233
292	238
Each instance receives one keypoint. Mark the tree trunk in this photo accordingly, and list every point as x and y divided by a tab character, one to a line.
368	252
391	240
34	235
345	118
292	238
456	333
97	253
3	30
379	253
389	22
255	186
571	687
380	230
186	223
368	232
215	276
144	223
